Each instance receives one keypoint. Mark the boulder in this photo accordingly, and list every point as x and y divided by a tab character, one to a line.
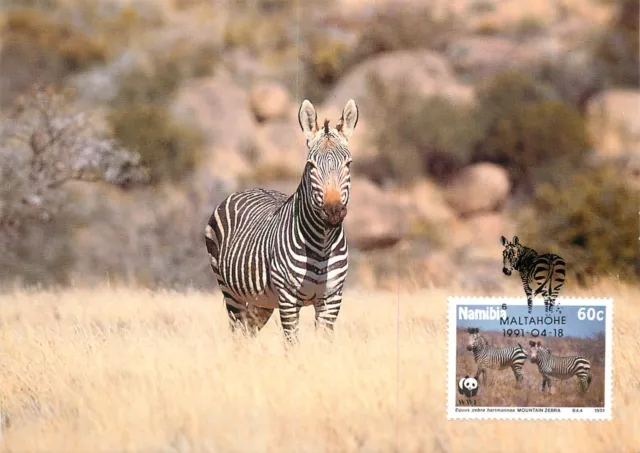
279	148
486	230
270	101
374	218
429	204
422	71
614	123
482	187
486	56
220	108
225	165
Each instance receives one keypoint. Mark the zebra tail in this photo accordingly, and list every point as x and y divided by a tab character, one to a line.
589	378
523	350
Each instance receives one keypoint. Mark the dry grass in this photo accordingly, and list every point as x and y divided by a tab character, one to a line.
130	370
500	390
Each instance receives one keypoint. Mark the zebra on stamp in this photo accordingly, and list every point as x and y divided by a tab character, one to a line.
558	367
487	356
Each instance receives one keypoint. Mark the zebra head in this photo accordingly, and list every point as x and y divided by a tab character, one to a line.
476	341
537	350
511	253
328	160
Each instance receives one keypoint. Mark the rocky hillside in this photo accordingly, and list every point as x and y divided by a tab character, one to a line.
478	118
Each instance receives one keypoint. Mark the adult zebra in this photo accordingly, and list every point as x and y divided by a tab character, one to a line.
562	368
487	356
271	251
545	272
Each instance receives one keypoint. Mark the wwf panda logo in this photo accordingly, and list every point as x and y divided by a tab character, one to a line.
468	386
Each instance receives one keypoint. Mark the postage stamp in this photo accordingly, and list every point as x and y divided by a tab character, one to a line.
508	363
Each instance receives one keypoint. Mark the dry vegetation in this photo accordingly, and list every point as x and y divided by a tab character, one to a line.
500	389
115	369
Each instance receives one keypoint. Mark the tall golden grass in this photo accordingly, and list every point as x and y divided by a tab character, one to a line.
500	390
128	370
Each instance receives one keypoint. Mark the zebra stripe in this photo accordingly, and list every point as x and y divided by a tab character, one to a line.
540	274
558	367
487	356
269	250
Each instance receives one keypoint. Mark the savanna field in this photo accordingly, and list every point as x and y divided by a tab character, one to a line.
129	370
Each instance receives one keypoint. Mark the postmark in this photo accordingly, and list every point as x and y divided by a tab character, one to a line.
505	362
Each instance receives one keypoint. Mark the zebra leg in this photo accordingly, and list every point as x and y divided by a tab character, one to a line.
585	382
517	372
484	376
289	316
529	293
248	320
545	296
327	312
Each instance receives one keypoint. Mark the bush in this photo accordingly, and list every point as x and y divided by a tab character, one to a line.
37	48
140	118
591	220
170	149
405	28
419	135
44	144
617	49
527	129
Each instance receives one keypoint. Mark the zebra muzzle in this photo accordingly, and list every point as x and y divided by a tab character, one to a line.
506	271
334	214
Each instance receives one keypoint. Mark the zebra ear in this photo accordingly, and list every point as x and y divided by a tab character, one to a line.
503	240
308	119
532	343
539	343
348	120
515	240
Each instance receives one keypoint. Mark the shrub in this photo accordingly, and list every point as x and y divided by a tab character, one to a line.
487	27
37	48
405	28
591	220
170	149
324	63
617	49
141	120
527	129
44	144
419	135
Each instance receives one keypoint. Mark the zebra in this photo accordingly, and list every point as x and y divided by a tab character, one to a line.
545	272
271	251
487	356
562	368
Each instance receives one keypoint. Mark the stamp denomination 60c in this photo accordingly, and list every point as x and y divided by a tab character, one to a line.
507	363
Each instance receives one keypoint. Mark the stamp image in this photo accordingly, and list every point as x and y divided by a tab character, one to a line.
506	362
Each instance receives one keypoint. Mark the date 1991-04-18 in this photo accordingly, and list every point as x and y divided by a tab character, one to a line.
533	332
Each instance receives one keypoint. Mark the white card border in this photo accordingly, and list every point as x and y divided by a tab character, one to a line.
565	412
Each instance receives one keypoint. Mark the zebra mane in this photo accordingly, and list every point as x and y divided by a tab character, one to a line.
326	126
525	253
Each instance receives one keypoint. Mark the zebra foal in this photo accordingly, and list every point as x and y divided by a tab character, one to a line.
487	356
546	273
269	250
562	368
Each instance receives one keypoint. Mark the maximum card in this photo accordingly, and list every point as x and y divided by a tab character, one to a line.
507	363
